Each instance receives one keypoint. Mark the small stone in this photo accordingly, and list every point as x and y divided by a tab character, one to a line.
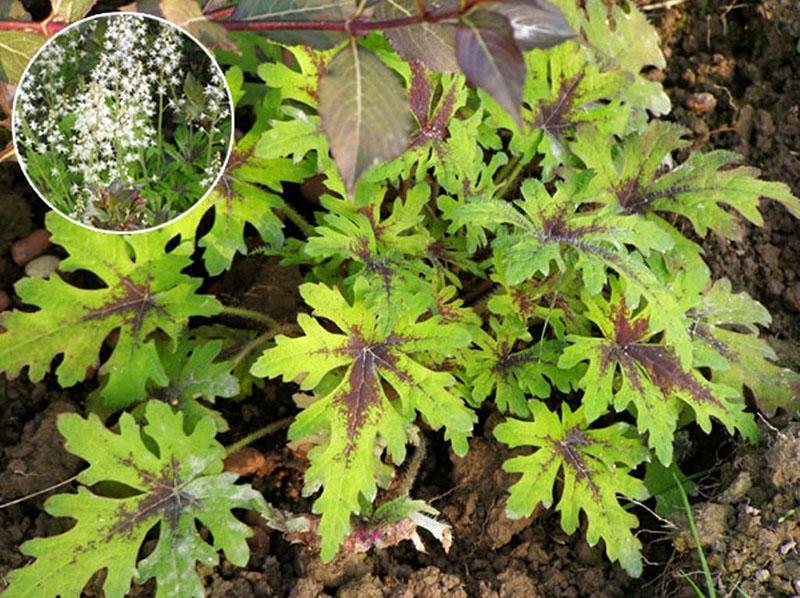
306	587
43	266
771	254
712	526
775	288
744	123
762	575
701	103
783	458
34	245
689	77
245	461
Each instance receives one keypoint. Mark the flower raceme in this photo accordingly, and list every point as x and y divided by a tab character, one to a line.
140	120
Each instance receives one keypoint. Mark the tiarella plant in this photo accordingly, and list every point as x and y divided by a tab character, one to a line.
122	122
525	245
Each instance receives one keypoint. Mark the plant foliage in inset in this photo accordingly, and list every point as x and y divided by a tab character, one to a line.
143	291
595	465
122	122
374	377
156	475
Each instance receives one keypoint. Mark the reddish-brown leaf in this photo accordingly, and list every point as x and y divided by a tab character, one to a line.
364	110
490	58
536	23
433	44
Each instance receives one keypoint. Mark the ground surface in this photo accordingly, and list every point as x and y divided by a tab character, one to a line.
747	58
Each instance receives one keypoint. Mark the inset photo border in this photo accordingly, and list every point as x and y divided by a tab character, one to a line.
123	122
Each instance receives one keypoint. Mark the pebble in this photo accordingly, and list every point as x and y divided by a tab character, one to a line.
702	102
762	575
43	266
245	461
34	245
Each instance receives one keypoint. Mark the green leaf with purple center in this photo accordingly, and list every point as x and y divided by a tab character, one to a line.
150	475
375	376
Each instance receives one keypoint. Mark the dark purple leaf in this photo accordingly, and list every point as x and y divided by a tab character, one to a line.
491	59
433	44
536	23
431	127
420	92
364	110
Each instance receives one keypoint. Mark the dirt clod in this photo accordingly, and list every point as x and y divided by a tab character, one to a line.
784	458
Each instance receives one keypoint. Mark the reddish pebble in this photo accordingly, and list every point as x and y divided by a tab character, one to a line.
5	300
34	245
701	102
246	461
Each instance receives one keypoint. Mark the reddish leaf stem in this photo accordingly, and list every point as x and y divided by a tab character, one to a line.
46	28
355	27
220	13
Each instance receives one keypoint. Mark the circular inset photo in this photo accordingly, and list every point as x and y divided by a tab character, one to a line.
122	122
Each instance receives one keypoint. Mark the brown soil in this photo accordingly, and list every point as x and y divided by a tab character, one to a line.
750	531
746	58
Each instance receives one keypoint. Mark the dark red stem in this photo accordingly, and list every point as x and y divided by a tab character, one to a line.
355	27
220	13
46	28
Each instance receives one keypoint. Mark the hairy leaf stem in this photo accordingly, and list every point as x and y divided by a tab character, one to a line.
258	434
248	314
255	343
297	219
